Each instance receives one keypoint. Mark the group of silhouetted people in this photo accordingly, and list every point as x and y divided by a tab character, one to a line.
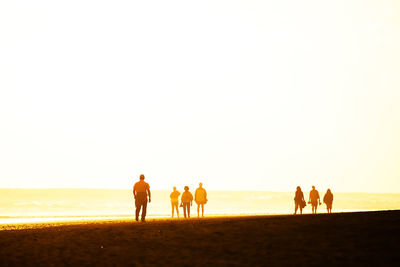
142	195
141	192
200	197
313	199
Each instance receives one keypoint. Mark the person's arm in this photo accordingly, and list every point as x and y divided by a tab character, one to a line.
133	191
148	191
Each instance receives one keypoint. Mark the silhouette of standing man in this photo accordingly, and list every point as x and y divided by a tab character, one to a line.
200	197
140	191
187	201
314	199
175	201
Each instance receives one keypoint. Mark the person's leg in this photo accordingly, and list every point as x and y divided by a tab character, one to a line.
184	210
173	209
296	206
177	209
188	209
144	210
202	210
138	206
198	210
299	206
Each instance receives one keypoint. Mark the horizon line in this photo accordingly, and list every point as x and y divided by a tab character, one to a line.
157	189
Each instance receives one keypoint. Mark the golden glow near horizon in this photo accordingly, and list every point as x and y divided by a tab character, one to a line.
241	95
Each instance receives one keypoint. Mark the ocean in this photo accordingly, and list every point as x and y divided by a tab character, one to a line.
35	205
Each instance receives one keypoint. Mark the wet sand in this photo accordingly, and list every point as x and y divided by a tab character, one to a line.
361	239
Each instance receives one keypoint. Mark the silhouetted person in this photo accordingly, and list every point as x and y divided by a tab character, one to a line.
140	191
299	201
175	201
314	200
200	197
328	200
187	201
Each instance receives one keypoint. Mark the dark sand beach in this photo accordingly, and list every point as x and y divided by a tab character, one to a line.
361	239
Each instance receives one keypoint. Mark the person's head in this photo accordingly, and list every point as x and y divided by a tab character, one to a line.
328	191
313	187
141	177
298	188
174	188
186	188
200	185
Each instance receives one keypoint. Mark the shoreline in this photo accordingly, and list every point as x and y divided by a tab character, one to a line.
31	222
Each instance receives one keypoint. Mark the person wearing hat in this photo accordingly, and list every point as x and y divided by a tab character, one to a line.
200	197
186	202
141	190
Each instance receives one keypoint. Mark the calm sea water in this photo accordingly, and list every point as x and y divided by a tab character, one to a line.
27	205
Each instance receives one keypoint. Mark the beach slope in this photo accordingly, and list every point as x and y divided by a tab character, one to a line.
361	239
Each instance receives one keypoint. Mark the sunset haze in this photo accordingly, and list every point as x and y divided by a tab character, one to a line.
239	95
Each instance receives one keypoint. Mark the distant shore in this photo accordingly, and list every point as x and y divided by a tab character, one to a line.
360	238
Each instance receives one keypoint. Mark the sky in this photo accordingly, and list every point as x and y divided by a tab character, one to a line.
239	95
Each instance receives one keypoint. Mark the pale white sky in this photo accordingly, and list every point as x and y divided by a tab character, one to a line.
241	95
